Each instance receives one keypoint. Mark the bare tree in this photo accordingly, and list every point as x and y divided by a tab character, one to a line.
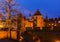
9	8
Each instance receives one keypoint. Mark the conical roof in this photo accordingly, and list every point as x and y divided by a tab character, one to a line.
37	12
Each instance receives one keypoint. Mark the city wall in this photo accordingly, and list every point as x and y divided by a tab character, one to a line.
6	34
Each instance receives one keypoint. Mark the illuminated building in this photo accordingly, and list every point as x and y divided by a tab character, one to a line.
33	22
38	20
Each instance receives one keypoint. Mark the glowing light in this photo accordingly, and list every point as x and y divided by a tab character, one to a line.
49	24
58	21
52	24
21	38
1	26
58	41
55	24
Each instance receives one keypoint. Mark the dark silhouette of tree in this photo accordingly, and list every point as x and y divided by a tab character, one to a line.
19	23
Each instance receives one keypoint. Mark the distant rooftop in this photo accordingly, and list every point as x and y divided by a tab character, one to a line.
37	12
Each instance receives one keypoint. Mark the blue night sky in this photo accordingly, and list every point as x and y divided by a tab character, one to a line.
51	8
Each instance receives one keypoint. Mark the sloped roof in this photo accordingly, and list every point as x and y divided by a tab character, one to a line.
37	12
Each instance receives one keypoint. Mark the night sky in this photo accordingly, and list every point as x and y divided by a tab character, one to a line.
51	8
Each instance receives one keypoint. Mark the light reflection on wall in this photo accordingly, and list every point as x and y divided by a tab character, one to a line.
5	34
